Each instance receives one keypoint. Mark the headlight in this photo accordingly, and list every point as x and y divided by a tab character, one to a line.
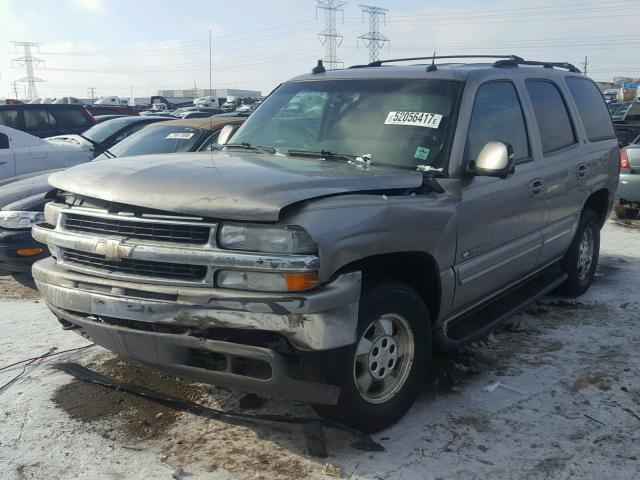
19	220
265	238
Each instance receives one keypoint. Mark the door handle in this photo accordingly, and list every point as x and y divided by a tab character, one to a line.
537	187
582	170
3	163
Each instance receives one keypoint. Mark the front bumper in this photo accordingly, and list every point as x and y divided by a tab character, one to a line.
13	240
629	187
179	355
321	319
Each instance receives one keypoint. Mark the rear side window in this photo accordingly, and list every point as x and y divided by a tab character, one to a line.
593	111
552	116
497	116
9	118
76	117
38	119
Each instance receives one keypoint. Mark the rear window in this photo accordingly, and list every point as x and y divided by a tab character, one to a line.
593	111
76	117
552	116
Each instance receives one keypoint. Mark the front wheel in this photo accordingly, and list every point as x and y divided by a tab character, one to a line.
581	259
380	376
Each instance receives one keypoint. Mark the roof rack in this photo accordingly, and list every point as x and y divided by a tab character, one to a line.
379	63
515	62
504	61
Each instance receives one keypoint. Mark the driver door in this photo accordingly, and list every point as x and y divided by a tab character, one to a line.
500	221
7	158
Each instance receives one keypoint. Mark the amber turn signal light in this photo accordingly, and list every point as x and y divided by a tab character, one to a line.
301	281
29	252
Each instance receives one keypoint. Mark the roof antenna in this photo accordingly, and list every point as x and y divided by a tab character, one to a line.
432	67
318	68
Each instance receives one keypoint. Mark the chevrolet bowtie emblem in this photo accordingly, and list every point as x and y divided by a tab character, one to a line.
113	249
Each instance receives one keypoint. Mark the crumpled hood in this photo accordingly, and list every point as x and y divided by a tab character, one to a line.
243	186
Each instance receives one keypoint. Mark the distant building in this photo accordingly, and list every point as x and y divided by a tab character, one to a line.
216	92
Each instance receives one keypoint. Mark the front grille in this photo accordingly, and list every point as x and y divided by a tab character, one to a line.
145	268
162	232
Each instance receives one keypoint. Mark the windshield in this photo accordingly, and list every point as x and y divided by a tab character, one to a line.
100	132
401	123
157	139
622	110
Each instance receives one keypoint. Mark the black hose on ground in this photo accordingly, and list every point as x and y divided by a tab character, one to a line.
363	441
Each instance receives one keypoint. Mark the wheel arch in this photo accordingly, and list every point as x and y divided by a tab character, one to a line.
419	270
599	202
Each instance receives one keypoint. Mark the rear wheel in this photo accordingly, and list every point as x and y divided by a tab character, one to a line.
624	212
581	259
380	376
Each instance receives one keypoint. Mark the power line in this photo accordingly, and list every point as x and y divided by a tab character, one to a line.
330	37
29	62
373	39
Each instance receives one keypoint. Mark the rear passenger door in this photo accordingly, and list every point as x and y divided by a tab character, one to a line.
499	220
565	183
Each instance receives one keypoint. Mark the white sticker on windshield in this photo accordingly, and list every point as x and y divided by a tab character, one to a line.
180	135
414	119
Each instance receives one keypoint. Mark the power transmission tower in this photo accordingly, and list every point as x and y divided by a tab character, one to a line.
373	39
330	37
29	62
92	91
15	89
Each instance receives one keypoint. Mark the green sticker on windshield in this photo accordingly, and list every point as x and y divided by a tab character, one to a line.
421	153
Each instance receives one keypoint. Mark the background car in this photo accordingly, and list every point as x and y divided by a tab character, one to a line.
21	153
46	120
106	134
627	204
22	199
174	136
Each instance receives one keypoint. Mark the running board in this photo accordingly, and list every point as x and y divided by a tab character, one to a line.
476	323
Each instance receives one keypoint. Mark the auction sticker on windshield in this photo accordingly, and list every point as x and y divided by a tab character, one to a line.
182	136
414	119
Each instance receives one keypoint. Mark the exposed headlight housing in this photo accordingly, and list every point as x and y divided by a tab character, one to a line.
266	238
13	220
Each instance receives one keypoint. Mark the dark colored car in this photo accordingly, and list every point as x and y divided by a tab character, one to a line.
97	109
626	121
22	198
104	118
106	134
46	120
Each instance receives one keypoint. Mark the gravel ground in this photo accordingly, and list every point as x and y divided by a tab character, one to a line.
553	394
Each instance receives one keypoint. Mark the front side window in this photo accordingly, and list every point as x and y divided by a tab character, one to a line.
9	118
399	123
497	116
552	116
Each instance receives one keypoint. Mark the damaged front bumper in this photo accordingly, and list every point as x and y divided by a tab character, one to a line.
322	319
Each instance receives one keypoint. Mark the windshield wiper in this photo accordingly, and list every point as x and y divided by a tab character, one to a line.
321	154
250	146
98	145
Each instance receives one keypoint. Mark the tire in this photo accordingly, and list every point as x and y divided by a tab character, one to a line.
623	212
581	259
385	307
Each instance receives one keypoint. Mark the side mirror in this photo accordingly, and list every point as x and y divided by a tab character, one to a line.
4	141
496	159
226	133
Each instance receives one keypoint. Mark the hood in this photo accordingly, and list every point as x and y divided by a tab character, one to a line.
242	186
70	139
22	193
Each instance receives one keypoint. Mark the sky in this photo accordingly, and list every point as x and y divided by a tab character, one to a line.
121	47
